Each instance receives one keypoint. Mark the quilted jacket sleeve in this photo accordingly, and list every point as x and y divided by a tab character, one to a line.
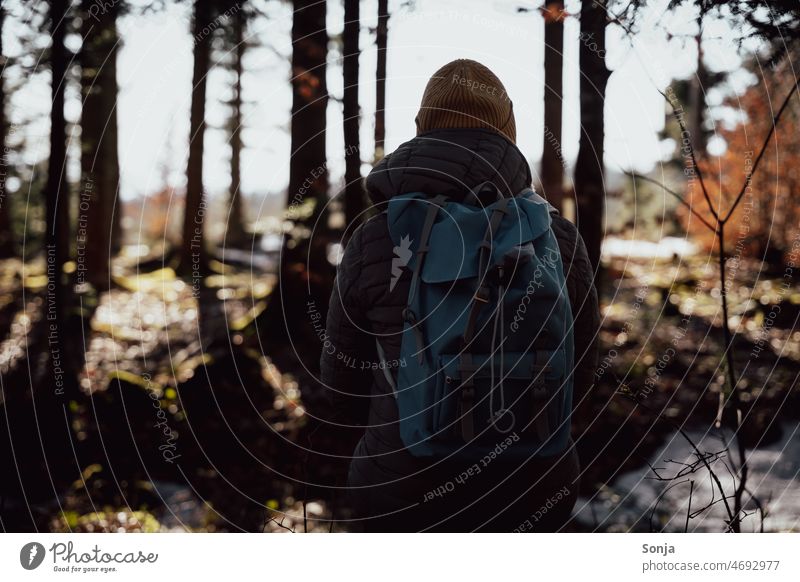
585	312
343	370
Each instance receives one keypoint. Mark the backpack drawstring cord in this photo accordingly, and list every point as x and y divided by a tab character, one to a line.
498	320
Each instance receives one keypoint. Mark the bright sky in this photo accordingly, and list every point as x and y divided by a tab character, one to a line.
155	66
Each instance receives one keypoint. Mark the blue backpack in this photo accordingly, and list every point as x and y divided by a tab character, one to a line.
487	341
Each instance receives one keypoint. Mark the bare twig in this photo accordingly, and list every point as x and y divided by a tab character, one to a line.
692	444
686	468
749	177
658	500
762	512
278	523
677	196
696	166
708	506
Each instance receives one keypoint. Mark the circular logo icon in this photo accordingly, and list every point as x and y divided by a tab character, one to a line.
31	555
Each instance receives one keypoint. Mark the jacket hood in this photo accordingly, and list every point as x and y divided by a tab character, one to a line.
450	162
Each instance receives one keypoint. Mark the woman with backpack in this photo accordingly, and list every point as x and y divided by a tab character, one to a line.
462	328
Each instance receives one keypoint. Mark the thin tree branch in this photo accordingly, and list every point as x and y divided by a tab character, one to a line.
677	196
697	170
749	178
760	506
688	439
658	500
276	522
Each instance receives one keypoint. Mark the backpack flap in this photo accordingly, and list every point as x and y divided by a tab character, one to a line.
454	248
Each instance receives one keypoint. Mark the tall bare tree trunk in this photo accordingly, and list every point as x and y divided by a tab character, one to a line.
60	351
308	173
6	238
354	199
589	170
303	261
57	236
698	85
111	143
99	159
235	235
193	258
552	157
381	43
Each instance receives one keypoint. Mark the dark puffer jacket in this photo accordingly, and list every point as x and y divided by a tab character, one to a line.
390	489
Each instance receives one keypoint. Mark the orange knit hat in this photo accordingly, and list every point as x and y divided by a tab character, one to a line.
465	93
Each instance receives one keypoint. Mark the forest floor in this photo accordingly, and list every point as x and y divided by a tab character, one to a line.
190	410
661	344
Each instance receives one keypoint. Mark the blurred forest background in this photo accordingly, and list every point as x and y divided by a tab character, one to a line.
179	178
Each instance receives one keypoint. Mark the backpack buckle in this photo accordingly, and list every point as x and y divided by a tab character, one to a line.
409	316
482	294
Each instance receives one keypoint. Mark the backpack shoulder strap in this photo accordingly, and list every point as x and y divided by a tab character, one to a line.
409	316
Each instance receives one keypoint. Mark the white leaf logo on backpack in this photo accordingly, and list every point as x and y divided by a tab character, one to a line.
402	255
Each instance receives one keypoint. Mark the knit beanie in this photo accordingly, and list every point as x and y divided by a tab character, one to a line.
465	93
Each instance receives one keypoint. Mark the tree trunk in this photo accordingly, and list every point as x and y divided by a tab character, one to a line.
552	157
6	237
235	235
99	160
57	236
57	214
308	173
354	198
589	170
303	261
193	259
111	144
381	43
699	83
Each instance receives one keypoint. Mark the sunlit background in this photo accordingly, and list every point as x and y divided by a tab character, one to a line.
155	64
